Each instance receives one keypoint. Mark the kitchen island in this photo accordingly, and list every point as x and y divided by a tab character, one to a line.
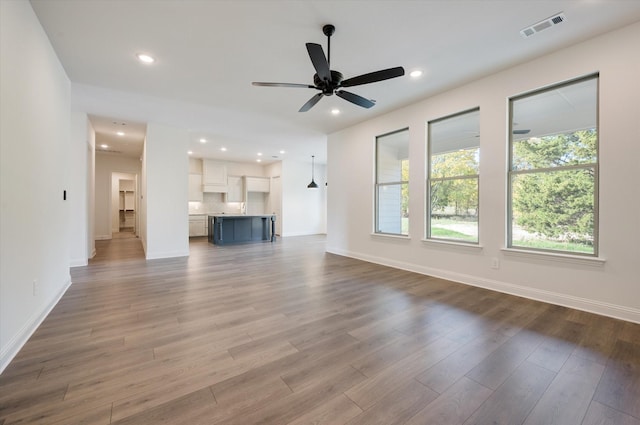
228	228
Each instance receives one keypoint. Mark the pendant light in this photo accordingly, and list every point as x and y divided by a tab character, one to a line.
313	184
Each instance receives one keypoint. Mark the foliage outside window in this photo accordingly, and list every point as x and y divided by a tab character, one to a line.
553	172
392	183
453	159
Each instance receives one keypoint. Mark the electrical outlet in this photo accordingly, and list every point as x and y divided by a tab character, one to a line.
495	263
35	287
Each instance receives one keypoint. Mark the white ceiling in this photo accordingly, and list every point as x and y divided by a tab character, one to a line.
209	52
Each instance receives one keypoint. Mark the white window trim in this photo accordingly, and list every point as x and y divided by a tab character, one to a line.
453	244
392	236
555	257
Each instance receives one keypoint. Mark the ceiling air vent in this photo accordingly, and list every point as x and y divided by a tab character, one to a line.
543	25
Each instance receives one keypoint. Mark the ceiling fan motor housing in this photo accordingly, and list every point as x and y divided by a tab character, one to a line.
328	87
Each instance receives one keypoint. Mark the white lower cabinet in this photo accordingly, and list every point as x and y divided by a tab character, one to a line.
197	225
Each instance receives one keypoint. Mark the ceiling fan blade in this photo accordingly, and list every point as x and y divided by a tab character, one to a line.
311	102
319	61
373	77
354	98
305	86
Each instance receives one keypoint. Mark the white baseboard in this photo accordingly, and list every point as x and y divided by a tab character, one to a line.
286	235
167	254
78	262
592	306
17	342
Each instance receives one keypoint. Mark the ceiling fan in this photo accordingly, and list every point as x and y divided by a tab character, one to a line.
331	82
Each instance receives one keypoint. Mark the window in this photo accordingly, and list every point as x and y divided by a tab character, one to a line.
553	169
452	185
392	183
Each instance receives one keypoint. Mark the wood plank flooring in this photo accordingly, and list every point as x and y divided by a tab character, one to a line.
285	333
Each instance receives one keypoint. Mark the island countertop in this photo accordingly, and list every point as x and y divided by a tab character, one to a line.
223	215
241	228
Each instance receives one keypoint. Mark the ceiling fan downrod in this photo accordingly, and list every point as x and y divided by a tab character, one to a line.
328	30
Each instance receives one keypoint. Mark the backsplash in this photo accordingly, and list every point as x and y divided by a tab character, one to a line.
213	203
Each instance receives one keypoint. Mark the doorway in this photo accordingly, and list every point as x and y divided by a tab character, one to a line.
126	206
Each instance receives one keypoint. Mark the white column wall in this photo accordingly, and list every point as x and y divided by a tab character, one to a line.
167	200
612	288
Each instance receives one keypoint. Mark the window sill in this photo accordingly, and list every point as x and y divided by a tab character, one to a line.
553	256
453	244
391	236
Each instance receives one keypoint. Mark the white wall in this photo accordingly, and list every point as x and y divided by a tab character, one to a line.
274	198
91	194
141	219
166	174
106	165
612	288
303	209
78	190
34	163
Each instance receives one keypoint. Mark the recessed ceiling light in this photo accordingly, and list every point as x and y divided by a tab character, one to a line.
104	146
120	133
203	140
282	151
416	73
258	160
259	153
335	111
142	57
223	149
190	152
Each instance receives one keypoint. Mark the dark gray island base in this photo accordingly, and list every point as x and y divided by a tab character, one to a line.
227	229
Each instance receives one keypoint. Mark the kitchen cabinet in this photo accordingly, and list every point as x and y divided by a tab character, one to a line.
195	187
198	225
214	176
228	229
258	184
235	192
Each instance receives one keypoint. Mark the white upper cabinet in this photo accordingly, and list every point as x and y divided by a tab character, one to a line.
258	184
214	176
235	191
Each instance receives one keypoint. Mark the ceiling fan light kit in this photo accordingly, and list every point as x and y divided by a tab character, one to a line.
330	82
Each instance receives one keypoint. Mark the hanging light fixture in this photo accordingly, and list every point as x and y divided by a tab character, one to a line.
313	184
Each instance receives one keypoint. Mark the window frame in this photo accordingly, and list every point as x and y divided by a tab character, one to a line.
595	166
377	185
428	235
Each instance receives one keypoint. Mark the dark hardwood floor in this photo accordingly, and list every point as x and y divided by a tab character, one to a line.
285	333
